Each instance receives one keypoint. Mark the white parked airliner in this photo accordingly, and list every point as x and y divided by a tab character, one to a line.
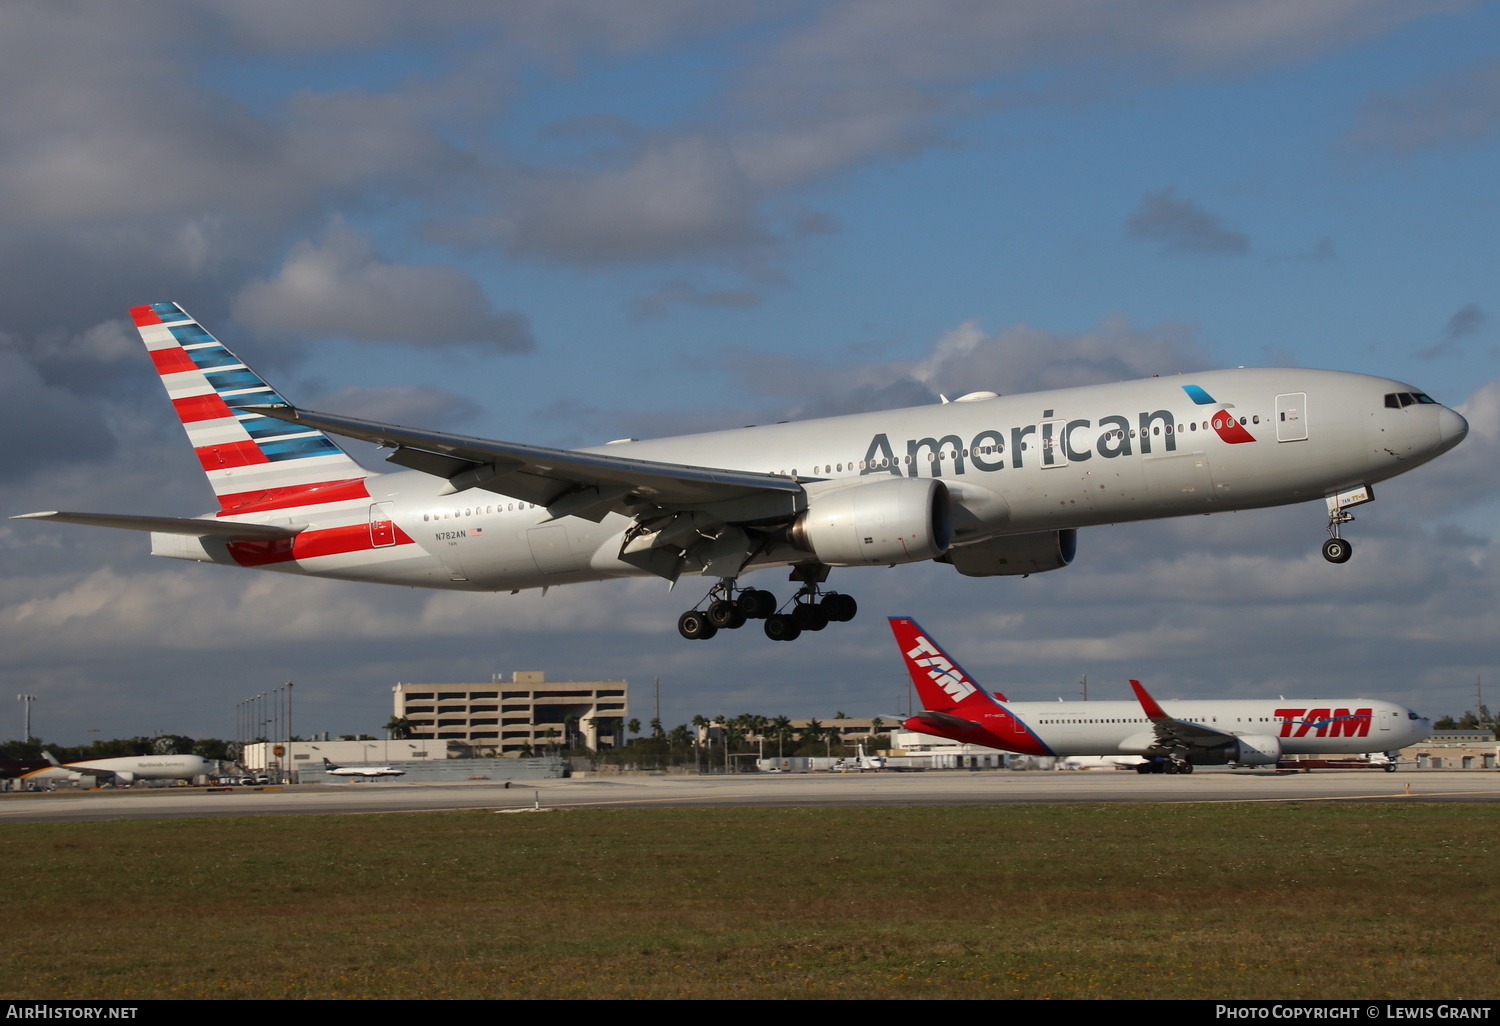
991	485
125	769
1196	732
361	771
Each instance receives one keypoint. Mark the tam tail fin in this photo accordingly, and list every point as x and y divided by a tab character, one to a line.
250	459
941	683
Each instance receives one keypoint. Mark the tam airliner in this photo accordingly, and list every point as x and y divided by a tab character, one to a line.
1173	737
990	485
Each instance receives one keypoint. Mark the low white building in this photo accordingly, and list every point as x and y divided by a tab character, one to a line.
293	756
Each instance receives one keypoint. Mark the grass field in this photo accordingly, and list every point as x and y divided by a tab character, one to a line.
1124	901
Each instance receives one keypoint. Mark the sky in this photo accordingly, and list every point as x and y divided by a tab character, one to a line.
566	221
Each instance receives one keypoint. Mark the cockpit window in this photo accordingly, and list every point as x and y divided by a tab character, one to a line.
1396	400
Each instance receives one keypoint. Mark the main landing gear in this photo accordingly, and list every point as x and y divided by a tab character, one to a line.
1162	764
729	608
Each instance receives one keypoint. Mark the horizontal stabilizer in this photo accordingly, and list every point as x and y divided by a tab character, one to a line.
943	719
167	525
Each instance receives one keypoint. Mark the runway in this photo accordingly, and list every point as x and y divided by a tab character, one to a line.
956	787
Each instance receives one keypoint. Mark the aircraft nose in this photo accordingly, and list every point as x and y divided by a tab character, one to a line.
1451	428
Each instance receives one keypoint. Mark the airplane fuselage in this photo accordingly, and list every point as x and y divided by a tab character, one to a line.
1012	466
1240	732
128	769
1299	727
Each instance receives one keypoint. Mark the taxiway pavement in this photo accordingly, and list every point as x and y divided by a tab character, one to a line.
750	790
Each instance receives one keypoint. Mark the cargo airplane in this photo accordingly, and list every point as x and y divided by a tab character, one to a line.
125	769
990	485
1173	738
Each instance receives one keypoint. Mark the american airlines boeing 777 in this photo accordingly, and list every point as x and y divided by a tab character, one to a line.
1200	732
990	485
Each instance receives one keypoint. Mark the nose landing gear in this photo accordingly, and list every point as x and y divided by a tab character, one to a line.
1337	549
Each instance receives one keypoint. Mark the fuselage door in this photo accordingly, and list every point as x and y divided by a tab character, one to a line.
1291	417
382	530
1054	443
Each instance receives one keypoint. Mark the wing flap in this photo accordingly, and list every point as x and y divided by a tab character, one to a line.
166	525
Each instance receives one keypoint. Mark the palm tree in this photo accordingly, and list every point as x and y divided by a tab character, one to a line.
782	726
634	726
812	733
398	727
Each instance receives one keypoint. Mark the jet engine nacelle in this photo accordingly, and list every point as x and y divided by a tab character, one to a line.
1015	554
1255	750
881	522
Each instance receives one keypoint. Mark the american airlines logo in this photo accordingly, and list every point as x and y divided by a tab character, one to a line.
1051	442
1324	722
943	673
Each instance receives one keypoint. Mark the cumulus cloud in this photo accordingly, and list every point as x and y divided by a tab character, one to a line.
412	405
1457	109
339	285
1467	320
1182	226
967	358
676	197
43	424
872	81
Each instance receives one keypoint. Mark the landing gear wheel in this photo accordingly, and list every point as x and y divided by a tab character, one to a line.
1143	768
780	627
1390	767
694	626
723	615
1337	550
809	617
1184	767
840	608
756	605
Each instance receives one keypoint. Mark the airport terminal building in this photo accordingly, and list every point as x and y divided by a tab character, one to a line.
516	717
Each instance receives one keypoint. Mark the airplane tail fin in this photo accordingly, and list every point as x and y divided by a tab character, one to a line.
941	683
251	460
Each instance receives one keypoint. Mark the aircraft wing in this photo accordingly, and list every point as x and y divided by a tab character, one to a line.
166	525
567	482
1173	730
